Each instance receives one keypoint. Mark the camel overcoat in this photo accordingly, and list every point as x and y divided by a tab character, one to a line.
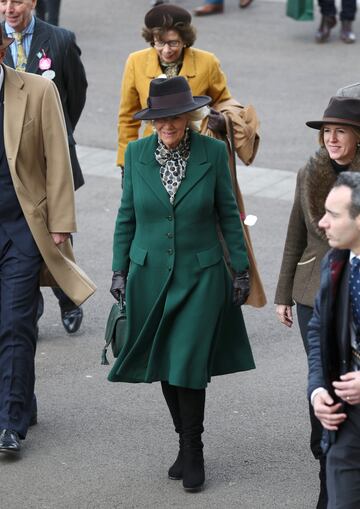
38	156
182	327
201	69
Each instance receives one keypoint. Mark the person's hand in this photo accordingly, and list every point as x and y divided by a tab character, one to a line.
59	238
216	121
327	412
348	388
241	288
118	284
284	314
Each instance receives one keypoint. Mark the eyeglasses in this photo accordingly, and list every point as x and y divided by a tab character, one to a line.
171	44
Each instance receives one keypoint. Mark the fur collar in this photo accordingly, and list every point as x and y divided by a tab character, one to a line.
319	179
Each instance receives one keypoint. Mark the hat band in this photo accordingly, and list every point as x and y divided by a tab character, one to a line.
337	120
171	101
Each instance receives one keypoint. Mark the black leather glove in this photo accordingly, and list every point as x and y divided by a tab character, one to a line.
118	284
216	121
241	288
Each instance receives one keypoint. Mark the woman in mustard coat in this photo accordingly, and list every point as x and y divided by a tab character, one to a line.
169	31
185	324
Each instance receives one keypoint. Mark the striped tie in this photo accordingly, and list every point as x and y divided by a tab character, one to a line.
21	57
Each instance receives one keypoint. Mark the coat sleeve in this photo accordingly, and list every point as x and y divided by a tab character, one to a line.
128	128
74	81
315	374
59	180
218	89
229	216
295	244
125	222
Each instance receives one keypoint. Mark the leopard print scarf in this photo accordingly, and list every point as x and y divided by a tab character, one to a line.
173	164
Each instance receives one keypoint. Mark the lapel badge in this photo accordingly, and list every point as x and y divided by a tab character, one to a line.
45	66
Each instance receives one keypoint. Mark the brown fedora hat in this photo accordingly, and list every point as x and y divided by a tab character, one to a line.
4	40
169	97
341	110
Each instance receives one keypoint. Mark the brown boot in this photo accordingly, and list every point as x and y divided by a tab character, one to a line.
207	9
346	33
323	33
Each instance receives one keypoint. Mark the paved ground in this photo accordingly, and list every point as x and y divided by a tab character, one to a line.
101	445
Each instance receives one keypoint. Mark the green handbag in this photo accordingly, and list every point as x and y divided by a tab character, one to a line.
115	330
301	10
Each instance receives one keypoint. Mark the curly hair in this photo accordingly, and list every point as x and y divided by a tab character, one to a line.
186	31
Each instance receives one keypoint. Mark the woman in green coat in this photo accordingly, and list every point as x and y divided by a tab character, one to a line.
183	308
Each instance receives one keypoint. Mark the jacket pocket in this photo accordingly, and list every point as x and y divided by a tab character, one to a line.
138	255
28	125
305	262
210	256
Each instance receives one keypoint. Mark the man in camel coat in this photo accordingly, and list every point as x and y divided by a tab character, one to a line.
36	218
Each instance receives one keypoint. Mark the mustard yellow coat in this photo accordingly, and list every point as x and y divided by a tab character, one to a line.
201	69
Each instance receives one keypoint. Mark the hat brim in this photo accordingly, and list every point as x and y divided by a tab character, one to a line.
317	124
155	114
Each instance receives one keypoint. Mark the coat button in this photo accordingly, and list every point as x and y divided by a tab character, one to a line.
170	218
169	235
170	251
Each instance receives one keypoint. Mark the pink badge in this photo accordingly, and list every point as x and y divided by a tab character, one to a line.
44	63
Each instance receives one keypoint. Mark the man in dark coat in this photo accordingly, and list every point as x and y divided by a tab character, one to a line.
53	53
334	344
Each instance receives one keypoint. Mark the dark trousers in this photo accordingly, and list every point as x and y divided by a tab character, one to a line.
48	10
348	9
304	314
19	290
343	464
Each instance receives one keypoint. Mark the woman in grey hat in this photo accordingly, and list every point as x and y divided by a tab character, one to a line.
306	243
184	322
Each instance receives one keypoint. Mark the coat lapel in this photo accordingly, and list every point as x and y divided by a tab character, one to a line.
15	100
148	169
40	39
197	167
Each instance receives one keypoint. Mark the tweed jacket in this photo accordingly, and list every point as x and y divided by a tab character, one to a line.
201	69
33	127
306	243
60	46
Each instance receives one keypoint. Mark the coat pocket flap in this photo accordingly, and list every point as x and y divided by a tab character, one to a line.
137	255
210	256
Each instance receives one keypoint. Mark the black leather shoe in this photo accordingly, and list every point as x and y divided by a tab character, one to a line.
72	319
323	33
9	441
346	33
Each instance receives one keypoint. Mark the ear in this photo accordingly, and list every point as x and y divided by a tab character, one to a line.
357	221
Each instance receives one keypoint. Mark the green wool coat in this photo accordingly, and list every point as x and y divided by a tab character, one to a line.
181	325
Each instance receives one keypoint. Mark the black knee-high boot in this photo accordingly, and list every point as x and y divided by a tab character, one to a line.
171	397
192	406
